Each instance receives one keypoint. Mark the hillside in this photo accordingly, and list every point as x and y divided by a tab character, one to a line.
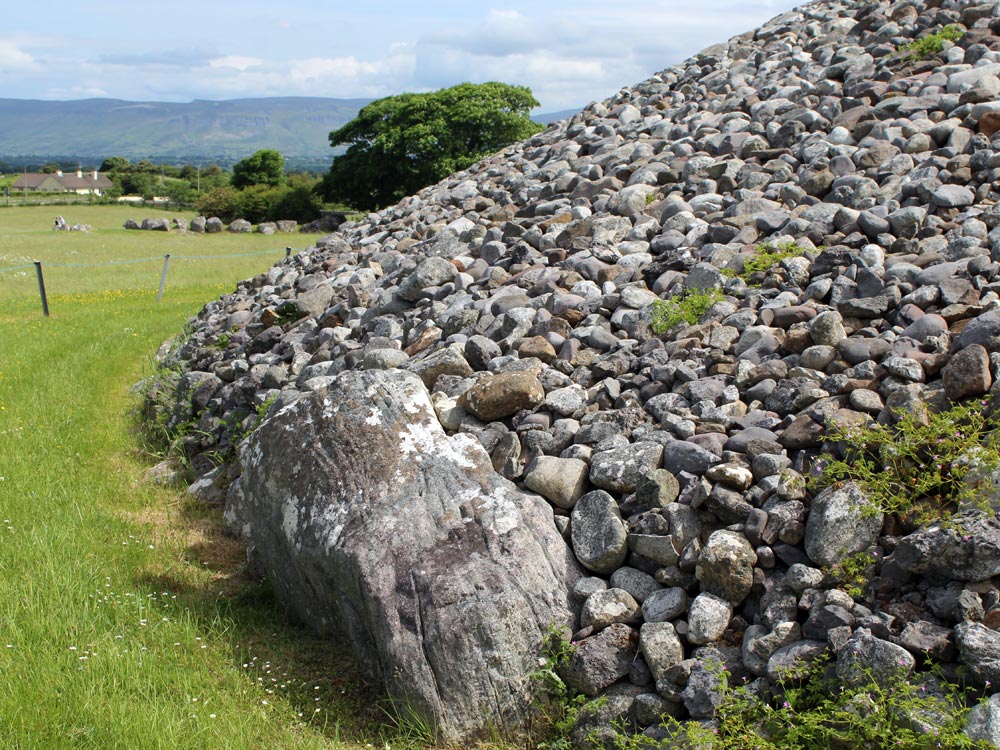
219	131
735	330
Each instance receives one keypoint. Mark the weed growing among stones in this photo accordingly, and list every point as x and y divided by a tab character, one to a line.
684	308
919	469
932	44
768	256
853	572
558	704
818	710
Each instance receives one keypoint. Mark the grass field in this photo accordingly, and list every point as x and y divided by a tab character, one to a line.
126	620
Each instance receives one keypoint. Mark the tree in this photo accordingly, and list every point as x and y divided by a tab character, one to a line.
402	143
223	202
114	164
265	167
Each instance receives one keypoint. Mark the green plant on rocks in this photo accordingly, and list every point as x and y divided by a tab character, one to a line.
933	44
683	308
821	711
852	572
922	467
767	257
558	704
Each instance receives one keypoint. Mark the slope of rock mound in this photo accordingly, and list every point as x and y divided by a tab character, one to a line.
521	293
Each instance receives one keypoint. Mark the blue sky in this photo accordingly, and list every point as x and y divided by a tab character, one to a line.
568	52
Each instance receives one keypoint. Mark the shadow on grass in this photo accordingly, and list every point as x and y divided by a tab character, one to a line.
318	677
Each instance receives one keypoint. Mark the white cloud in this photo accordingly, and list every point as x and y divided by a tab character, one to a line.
237	62
14	58
569	52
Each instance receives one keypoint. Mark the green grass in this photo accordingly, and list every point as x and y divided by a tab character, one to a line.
126	619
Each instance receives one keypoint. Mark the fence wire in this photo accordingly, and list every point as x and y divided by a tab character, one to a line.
132	261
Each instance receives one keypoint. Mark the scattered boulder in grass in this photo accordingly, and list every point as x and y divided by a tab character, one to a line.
131	224
267	227
287	226
442	573
198	224
156	225
240	226
214	225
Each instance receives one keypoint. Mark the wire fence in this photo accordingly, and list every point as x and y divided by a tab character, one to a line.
37	265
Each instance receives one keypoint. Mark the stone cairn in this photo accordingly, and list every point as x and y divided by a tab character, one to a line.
520	293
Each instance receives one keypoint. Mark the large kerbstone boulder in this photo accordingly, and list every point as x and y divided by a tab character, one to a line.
368	518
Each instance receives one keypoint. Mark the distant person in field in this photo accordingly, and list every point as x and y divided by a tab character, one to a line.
60	223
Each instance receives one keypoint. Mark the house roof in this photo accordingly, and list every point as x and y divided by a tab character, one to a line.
68	181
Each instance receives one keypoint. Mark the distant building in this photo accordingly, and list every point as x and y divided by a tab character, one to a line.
90	183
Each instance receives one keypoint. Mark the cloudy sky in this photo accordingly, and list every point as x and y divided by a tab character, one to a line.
570	52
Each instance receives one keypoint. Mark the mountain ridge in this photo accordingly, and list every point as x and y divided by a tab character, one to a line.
201	130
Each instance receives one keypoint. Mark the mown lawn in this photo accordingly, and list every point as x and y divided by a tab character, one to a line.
126	618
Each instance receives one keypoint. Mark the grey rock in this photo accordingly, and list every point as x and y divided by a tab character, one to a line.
839	526
953	196
708	618
703	693
865	659
794	660
979	330
657	489
967	373
983	721
478	571
759	644
600	541
660	647
681	455
620	469
640	585
449	361
966	550
979	651
559	480
431	272
664	605
827	329
725	566
607	607
601	660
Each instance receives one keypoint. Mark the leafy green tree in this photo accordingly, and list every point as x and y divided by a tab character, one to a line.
265	167
402	143
300	203
223	202
114	164
180	192
136	183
